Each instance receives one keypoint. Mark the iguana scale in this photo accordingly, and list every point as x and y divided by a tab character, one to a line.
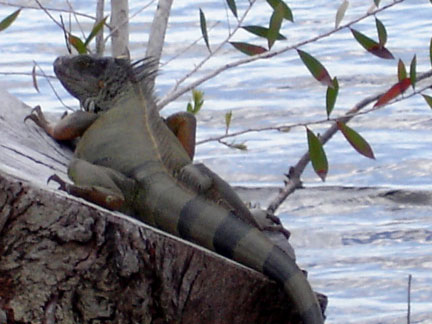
131	160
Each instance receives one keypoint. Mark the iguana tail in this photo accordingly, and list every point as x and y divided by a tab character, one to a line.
195	219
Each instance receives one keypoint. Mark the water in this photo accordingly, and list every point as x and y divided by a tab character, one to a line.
368	227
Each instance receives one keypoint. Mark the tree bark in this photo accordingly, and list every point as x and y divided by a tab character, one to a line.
64	260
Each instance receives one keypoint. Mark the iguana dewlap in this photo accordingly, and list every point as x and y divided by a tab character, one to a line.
129	159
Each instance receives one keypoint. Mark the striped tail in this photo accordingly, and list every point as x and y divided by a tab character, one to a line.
189	216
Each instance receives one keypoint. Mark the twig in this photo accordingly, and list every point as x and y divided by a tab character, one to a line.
409	300
284	128
52	87
7	3
295	172
176	92
48	14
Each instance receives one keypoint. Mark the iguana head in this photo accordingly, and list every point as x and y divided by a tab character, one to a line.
97	81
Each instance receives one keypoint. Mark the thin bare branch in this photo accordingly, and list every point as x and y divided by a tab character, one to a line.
7	3
176	92
295	172
167	98
52	87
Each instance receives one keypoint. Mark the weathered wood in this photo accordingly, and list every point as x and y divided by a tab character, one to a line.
63	260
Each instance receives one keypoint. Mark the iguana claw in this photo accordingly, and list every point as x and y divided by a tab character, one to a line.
60	181
37	116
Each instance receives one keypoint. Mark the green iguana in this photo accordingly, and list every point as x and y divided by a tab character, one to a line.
129	159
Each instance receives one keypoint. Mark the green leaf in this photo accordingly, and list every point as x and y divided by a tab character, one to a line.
287	14
78	44
318	70
428	99
356	140
317	155
402	74
6	22
371	46
233	7
341	13
95	30
413	71
261	32
331	96
228	118
203	25
275	24
248	49
382	32
197	102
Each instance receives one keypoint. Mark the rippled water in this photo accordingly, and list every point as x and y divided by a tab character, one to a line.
369	226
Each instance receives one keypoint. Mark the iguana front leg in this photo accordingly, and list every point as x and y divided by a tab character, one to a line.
97	184
67	128
183	125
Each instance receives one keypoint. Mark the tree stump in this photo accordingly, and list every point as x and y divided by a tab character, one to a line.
64	260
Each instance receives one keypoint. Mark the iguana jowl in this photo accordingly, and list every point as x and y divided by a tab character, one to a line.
129	159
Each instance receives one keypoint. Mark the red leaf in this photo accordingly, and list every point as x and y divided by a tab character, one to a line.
356	140
393	92
248	49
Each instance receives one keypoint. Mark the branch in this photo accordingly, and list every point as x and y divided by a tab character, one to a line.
296	171
7	3
120	25
158	29
174	93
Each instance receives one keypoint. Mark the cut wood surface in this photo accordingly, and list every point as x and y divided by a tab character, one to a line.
64	260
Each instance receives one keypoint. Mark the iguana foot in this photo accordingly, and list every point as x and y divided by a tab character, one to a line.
38	117
62	184
95	194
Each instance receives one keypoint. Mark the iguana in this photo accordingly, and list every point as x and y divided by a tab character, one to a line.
129	159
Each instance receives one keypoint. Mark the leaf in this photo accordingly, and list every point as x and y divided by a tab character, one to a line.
382	32
248	49
78	44
413	71
275	24
95	30
228	118
318	70
203	25
371	46
35	85
233	7
261	32
356	140
402	74
331	96
6	22
341	13
377	3
287	14
428	99
197	102
393	92
317	155
430	50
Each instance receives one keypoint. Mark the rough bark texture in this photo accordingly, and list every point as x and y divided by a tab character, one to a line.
63	260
